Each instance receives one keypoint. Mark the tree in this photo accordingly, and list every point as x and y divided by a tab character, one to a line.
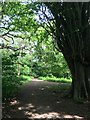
69	24
46	61
17	28
10	82
16	23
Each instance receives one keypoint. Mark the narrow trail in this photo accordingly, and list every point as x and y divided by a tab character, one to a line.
37	100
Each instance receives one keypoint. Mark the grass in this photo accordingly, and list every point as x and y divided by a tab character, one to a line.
54	79
25	79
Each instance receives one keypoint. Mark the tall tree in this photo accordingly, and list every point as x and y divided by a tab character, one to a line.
69	23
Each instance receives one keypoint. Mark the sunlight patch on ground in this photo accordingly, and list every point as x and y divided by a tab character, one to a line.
45	115
73	116
78	117
14	102
42	89
29	106
51	115
36	80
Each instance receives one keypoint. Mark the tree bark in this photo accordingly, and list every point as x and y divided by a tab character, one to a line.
80	88
87	80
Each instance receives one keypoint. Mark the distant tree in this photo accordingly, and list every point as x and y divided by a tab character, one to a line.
46	60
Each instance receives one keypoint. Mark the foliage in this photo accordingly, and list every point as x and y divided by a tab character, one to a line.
25	65
25	79
10	81
41	60
9	74
46	61
55	79
52	64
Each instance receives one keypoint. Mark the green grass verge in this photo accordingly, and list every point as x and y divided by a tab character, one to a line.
25	79
54	79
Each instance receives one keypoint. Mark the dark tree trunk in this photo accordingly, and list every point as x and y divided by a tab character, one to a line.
80	79
87	80
80	89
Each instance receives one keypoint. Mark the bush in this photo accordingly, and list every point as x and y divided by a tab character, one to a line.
9	75
54	79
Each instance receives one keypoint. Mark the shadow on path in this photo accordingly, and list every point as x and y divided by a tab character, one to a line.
40	100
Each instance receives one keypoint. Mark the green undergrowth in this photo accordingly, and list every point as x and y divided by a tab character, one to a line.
54	79
25	79
11	85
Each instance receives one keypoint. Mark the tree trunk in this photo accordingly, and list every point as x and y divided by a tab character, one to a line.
80	80
19	60
18	68
87	77
80	87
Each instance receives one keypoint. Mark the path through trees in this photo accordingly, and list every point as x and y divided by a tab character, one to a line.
42	99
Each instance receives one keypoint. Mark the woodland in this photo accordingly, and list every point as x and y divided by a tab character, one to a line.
45	41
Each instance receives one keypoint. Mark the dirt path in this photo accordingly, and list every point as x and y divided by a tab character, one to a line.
39	100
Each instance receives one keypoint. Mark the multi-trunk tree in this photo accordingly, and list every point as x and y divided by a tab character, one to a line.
69	23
